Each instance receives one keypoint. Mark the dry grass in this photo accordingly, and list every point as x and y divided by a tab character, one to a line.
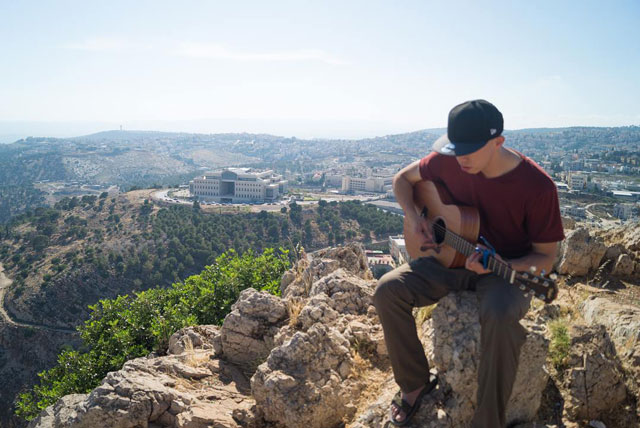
193	357
424	313
294	307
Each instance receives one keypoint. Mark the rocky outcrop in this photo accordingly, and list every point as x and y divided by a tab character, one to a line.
189	390
309	380
248	331
622	323
452	342
593	384
317	359
580	253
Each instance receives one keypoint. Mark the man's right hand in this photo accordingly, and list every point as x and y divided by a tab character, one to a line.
420	226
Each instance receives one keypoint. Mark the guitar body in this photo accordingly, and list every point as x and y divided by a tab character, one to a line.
464	221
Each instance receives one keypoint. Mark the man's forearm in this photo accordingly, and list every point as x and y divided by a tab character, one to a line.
538	260
403	190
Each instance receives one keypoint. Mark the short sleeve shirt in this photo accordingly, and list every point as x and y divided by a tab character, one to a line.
516	209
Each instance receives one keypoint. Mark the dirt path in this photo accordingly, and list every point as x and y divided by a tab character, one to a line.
5	283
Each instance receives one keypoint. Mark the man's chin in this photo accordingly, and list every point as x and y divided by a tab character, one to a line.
468	170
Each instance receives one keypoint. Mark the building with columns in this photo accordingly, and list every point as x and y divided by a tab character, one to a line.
234	185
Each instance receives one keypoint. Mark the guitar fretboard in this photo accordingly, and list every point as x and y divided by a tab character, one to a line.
464	247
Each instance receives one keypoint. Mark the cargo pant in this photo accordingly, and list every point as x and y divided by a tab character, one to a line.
423	282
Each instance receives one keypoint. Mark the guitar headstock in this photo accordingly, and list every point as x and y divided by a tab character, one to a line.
540	287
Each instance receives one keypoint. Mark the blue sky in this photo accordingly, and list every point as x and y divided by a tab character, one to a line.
322	68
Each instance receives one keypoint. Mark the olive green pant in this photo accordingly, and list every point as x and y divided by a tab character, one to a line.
423	282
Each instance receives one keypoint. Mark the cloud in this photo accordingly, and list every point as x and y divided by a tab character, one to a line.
216	51
200	50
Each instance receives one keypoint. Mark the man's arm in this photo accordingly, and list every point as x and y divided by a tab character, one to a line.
541	257
403	183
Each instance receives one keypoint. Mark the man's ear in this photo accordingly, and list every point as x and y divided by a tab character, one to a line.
499	141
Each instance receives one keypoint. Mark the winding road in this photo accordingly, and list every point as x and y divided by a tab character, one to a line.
5	283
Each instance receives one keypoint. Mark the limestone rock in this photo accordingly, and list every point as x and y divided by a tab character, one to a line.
623	326
593	384
580	253
248	330
305	381
189	338
452	342
189	390
298	280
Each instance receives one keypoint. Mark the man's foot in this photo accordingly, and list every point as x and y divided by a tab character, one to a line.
404	406
397	414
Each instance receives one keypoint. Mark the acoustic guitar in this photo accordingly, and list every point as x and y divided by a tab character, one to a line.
455	231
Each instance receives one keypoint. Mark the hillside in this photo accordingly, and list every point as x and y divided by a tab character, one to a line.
315	356
65	258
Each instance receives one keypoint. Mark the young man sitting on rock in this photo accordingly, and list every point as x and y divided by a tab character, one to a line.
519	216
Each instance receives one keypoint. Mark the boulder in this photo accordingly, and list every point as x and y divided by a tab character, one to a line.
298	280
623	327
452	343
248	330
593	384
580	253
179	391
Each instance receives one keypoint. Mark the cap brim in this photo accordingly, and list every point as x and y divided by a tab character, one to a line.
446	147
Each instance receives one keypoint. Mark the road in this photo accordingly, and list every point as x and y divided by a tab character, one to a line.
5	283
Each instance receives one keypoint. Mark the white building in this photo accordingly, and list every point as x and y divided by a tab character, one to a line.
239	185
573	211
370	184
398	249
577	181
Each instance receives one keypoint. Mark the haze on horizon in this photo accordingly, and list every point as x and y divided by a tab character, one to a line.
326	69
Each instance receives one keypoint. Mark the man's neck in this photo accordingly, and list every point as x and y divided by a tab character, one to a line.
503	161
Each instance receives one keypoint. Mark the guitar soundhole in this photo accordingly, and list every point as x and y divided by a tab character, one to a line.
439	232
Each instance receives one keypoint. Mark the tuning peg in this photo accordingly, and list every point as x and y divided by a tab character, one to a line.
535	279
553	276
532	269
522	287
525	276
541	296
542	272
545	284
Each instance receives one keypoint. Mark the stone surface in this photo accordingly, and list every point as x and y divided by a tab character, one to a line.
186	390
593	383
247	332
580	253
189	338
624	266
623	326
452	339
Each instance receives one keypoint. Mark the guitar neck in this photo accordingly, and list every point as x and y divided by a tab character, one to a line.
466	248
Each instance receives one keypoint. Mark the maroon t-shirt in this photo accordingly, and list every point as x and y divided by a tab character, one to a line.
516	208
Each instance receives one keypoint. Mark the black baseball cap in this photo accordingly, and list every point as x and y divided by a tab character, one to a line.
471	125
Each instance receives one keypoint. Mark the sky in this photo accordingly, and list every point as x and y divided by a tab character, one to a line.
313	68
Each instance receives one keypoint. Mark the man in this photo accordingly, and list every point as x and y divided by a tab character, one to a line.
519	215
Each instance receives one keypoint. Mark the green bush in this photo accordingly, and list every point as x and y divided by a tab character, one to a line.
133	326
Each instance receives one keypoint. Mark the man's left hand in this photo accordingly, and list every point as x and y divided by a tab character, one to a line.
474	261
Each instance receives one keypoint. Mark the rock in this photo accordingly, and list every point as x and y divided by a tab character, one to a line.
189	338
623	327
568	223
452	342
593	383
614	251
248	330
624	266
304	382
580	253
299	279
189	390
